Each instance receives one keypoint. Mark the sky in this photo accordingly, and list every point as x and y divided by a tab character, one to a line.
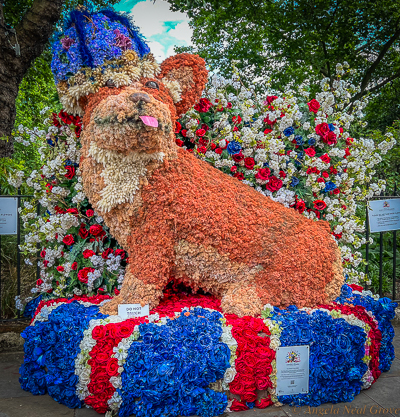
162	28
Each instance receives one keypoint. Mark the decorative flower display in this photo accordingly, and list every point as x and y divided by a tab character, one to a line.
187	358
78	255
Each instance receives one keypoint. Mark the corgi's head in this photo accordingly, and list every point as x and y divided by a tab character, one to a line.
141	117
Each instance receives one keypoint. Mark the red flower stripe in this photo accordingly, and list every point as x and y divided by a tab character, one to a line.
103	366
253	363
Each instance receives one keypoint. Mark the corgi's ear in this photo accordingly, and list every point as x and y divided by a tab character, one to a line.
185	76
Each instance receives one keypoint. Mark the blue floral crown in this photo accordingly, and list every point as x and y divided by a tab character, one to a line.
95	48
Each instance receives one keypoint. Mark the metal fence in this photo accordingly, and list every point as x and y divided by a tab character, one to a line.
383	196
19	197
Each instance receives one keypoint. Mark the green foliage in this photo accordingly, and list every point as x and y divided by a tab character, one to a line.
294	41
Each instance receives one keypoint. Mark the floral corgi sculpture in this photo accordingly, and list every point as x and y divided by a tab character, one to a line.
175	214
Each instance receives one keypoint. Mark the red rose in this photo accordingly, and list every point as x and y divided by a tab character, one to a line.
268	121
270	99
330	138
229	105
282	174
202	150
274	184
178	127
320	180
264	402
263	174
43	253
300	206
87	253
313	105
124	331
236	120
68	240
112	367
73	211
60	268
200	132
347	152
89	213
234	168
179	142
218	151
310	152
183	132
336	191
83	233
325	158
116	291
83	274
238	157
39	282
205	127
203	142
105	254
70	172
120	252
319	205
203	105
239	176
74	266
249	163
99	332
238	406
95	230
322	129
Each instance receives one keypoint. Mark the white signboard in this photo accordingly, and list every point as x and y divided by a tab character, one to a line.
129	311
292	366
384	215
8	215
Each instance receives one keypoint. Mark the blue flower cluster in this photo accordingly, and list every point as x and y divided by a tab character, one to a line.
31	306
169	368
50	351
383	310
89	39
336	353
234	148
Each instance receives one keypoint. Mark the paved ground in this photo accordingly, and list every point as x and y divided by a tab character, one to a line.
382	399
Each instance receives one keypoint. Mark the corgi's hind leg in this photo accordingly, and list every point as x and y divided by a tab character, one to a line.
241	298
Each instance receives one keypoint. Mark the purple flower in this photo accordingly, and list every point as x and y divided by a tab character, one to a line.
67	43
122	41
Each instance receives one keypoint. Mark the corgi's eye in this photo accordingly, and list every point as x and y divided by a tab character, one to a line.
152	84
110	84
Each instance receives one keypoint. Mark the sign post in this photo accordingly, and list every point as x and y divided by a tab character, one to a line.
8	215
384	215
292	367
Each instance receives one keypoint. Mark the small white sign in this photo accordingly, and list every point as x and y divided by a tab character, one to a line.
129	311
292	367
8	215
384	215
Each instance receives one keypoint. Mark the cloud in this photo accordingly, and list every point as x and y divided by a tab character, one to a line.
162	28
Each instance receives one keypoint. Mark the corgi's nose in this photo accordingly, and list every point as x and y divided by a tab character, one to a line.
135	97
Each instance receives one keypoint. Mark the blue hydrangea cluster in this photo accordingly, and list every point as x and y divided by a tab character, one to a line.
31	306
336	355
50	351
89	39
383	311
169	368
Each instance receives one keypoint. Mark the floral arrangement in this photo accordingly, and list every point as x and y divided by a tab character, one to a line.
78	255
294	148
188	358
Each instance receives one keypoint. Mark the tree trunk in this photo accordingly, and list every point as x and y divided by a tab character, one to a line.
32	35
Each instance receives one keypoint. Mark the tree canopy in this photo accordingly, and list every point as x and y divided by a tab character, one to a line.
295	40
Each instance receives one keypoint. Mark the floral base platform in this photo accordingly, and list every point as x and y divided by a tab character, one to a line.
188	358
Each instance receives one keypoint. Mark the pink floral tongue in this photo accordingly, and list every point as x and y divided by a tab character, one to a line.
149	121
